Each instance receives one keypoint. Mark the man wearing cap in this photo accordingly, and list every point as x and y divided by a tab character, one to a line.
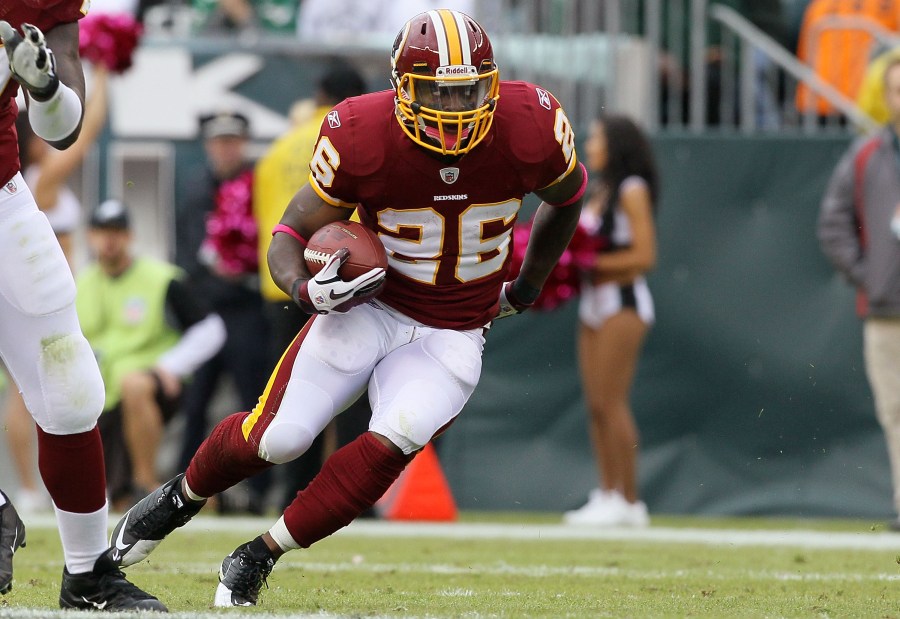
149	332
216	244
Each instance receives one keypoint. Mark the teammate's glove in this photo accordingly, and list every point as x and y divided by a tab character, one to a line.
515	298
327	292
30	60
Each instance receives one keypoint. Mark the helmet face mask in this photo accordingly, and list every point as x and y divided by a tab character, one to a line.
446	82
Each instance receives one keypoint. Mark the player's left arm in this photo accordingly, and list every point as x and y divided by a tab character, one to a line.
553	225
48	67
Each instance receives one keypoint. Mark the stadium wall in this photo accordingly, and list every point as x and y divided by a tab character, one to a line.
751	397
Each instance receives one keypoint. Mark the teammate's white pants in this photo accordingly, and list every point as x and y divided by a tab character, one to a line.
418	379
40	340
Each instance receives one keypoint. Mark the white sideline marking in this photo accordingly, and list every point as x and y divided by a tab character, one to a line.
546	571
862	540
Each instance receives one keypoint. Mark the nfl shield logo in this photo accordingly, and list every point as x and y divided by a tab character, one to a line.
449	175
11	187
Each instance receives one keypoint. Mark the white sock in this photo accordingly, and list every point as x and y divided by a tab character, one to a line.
190	494
282	537
83	538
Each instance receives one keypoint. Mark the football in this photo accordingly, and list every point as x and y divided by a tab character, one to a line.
366	250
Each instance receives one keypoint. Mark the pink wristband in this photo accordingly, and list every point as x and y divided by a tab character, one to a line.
580	192
290	231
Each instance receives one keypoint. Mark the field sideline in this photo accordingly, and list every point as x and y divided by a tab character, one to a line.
867	539
681	567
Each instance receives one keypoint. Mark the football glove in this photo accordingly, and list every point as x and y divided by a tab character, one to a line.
327	292
511	302
30	60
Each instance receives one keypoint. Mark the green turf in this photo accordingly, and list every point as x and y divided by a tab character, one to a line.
361	576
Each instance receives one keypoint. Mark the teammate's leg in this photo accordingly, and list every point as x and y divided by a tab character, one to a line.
52	362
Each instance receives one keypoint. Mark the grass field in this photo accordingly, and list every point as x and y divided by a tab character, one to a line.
517	565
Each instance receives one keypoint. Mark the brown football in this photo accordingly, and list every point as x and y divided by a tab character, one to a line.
366	250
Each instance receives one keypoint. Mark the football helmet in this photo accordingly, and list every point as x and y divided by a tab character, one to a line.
447	84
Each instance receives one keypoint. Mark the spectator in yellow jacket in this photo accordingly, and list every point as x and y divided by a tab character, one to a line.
278	175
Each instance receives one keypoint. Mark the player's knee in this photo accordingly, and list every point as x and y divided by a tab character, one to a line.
28	247
71	387
285	442
399	439
407	423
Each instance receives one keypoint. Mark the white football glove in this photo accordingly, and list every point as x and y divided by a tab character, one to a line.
327	292
30	60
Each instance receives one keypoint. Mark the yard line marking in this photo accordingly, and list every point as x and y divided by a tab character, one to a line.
862	540
540	571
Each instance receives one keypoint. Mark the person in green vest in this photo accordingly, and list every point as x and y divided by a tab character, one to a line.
149	333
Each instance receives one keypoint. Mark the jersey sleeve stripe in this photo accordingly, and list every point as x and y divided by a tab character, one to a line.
327	198
572	163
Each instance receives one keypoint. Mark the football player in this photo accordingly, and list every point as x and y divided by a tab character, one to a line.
438	167
40	339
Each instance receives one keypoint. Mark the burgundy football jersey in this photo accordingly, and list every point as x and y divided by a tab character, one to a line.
446	225
45	14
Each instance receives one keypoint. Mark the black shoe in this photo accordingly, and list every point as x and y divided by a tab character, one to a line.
104	588
12	537
144	526
242	575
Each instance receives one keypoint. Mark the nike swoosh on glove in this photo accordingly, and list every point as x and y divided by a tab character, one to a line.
327	292
30	60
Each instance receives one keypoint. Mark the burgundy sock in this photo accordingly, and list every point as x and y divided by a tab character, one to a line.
72	468
352	479
224	459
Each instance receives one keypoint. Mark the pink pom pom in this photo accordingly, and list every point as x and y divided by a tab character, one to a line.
564	282
231	231
109	40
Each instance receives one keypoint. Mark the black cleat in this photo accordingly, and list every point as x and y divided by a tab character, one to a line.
12	537
144	526
242	575
105	588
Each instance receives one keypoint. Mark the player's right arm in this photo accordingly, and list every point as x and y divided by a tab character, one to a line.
305	214
326	292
